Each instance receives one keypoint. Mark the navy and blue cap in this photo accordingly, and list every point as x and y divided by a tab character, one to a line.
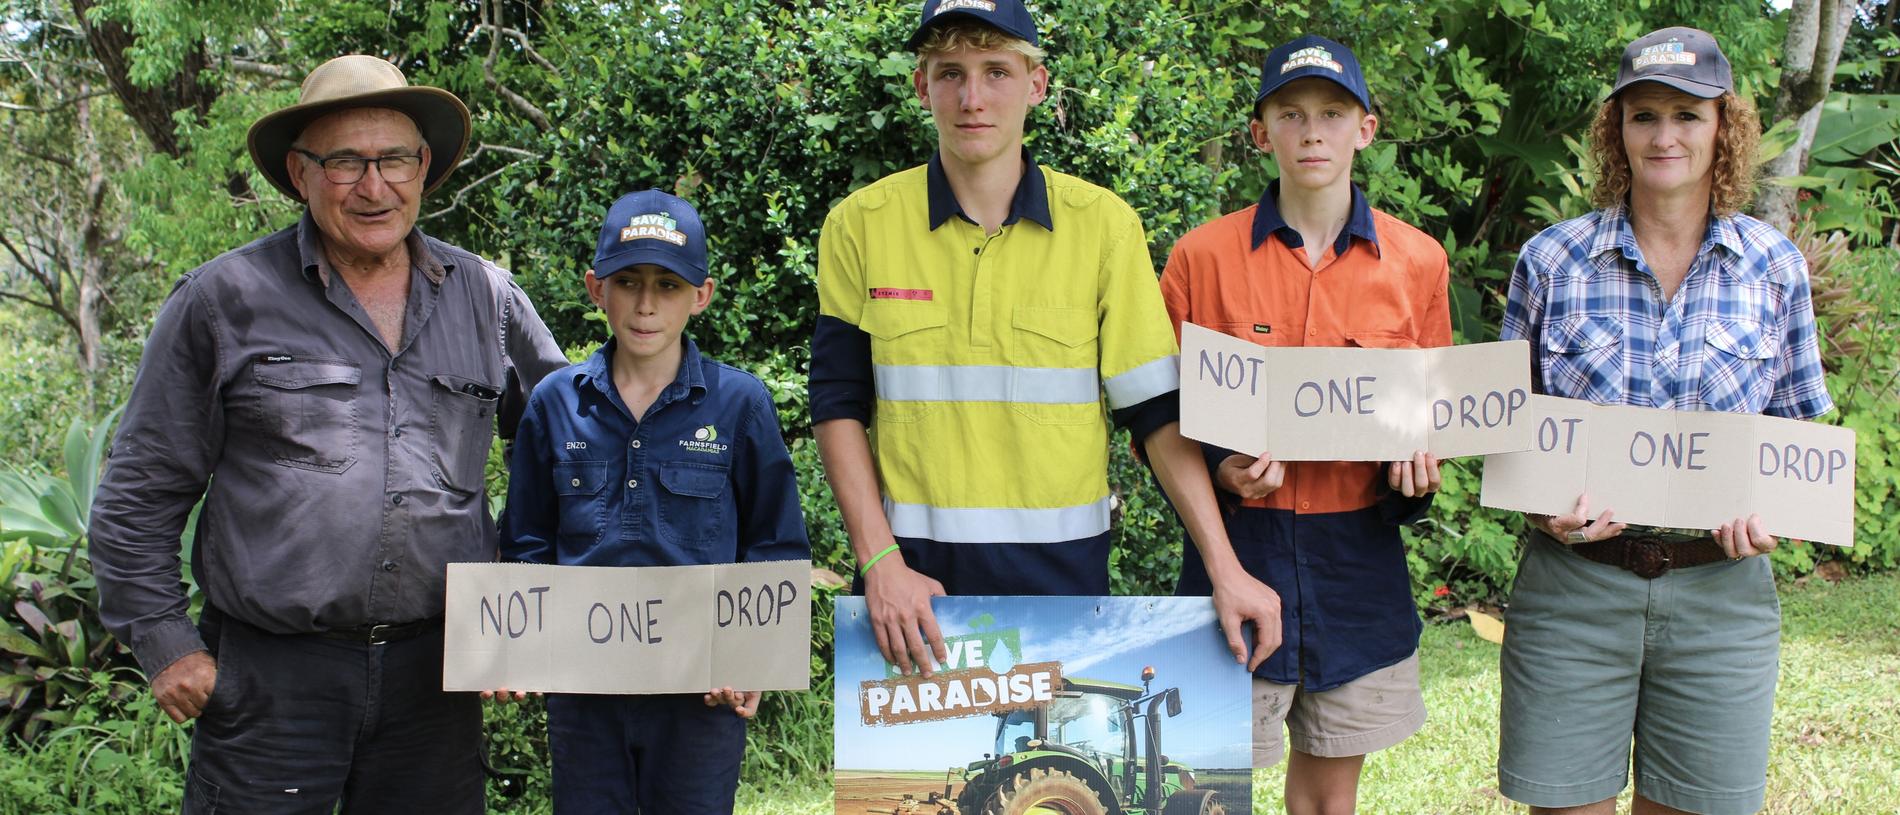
652	227
1313	56
1686	59
1009	16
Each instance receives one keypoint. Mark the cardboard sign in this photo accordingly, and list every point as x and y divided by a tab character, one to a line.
1092	687
663	629
1354	404
1694	470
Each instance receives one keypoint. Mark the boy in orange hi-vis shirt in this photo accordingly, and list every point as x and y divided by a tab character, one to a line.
1312	264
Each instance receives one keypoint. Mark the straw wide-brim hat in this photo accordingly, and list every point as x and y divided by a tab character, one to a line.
362	81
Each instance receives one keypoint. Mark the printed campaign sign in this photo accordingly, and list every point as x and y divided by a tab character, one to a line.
1694	470
662	629
1060	703
1354	404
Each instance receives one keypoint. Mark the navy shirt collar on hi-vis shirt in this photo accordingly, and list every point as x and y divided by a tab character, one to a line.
1268	221
1031	200
703	477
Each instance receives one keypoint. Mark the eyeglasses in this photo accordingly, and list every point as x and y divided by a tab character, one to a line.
350	169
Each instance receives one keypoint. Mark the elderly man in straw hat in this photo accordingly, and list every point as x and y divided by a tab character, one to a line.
331	390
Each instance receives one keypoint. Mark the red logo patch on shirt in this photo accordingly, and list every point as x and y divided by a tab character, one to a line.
901	294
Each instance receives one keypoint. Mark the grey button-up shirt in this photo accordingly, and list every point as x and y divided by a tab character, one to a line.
339	479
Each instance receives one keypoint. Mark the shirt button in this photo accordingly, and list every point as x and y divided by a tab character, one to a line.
633	483
1312	332
1306	505
396	432
397	499
389	565
636	444
574	483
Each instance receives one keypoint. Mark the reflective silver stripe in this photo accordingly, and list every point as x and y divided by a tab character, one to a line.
987	383
997	525
1143	382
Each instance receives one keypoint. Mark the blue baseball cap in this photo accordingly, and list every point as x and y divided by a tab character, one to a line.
1313	56
652	227
1009	16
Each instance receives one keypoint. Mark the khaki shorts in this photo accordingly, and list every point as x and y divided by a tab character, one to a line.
1370	713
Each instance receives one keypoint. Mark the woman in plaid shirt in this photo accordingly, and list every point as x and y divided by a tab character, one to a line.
1665	297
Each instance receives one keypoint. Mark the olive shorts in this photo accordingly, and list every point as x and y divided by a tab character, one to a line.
1682	666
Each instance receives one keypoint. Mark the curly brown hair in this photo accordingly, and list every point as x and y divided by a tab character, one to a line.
956	36
1736	141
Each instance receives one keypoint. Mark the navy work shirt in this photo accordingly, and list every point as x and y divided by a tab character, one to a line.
703	477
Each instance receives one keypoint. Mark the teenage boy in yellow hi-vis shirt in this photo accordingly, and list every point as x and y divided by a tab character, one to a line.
1312	265
973	313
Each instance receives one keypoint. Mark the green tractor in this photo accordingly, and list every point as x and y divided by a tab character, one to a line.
1093	750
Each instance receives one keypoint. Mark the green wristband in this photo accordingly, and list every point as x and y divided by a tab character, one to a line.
875	558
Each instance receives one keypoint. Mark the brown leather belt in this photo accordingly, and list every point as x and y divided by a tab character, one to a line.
1649	556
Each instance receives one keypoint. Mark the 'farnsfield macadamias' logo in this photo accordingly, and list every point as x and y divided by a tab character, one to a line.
1668	53
658	225
705	440
1314	56
953	5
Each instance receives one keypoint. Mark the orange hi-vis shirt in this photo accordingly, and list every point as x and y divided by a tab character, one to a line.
1383	284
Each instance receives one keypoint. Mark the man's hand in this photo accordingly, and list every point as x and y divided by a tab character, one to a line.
1743	537
1239	598
183	688
1251	477
1577	527
899	602
1415	478
743	702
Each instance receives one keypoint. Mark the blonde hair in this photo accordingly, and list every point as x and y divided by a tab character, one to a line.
1737	137
952	37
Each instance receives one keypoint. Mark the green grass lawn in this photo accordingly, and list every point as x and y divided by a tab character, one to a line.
1837	719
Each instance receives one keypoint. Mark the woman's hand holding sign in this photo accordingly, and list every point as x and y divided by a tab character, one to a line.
1577	527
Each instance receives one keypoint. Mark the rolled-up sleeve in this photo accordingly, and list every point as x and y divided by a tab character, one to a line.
1801	387
161	458
771	524
528	348
1140	362
841	384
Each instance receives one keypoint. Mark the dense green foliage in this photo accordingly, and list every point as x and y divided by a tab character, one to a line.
765	114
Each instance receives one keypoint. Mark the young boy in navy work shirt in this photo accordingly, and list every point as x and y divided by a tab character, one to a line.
648	454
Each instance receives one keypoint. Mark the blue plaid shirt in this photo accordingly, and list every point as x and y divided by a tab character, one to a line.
1738	337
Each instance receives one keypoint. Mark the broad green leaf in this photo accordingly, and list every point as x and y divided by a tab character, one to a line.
1859	126
34	527
14	642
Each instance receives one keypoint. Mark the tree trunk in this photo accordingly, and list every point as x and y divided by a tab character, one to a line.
1812	50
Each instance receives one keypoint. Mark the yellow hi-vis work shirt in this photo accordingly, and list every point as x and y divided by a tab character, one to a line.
990	355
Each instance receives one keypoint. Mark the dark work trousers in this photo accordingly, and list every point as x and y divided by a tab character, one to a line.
301	723
643	755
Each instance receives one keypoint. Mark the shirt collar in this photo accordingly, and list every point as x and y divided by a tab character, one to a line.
596	371
1615	234
1267	221
315	264
1031	200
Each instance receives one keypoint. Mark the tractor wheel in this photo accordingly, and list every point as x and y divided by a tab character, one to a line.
1042	791
1193	802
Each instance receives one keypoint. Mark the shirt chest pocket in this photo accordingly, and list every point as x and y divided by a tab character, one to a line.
307	412
909	343
693	503
1738	373
579	489
1584	359
1054	378
461	425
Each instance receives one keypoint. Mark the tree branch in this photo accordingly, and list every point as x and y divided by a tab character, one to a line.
456	200
520	38
52	107
491	14
252	67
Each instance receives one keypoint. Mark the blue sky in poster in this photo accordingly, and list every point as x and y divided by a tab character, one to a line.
1108	638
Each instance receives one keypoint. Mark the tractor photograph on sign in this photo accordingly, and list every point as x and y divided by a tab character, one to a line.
1076	741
